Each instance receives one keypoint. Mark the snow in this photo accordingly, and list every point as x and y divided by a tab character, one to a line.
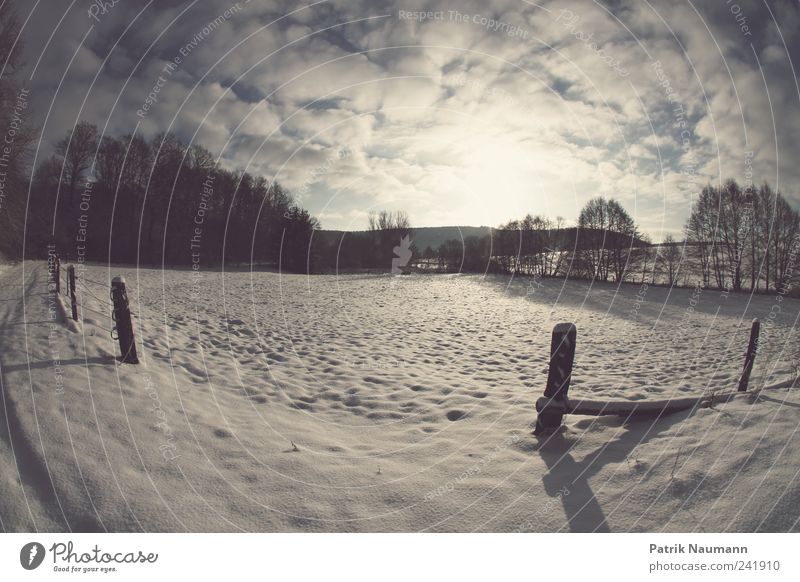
274	402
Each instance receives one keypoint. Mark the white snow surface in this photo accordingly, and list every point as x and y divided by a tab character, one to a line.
274	402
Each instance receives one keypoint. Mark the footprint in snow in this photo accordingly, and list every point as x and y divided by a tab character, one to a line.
454	415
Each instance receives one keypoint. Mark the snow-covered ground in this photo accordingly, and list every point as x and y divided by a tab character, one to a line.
270	402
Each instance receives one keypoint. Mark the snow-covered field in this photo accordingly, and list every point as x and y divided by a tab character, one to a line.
270	402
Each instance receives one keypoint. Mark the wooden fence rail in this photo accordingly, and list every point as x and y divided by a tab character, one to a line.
555	403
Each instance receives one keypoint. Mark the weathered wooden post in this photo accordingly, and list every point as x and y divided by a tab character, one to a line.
750	355
122	320
57	264
71	291
552	407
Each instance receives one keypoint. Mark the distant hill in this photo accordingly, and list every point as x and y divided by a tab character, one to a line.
433	236
427	236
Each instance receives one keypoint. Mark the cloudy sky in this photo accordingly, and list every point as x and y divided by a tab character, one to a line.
470	114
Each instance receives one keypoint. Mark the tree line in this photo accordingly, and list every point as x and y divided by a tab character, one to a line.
743	237
604	245
126	199
735	239
129	200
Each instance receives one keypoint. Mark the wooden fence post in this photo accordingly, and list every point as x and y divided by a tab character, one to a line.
552	407
71	291
58	274
750	355
122	321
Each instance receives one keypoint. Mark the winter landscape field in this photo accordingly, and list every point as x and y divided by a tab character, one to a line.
274	402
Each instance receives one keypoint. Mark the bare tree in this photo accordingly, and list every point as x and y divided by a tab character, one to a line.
76	151
701	233
672	256
785	242
608	234
735	218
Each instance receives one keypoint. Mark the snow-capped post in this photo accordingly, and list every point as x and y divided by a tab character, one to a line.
122	321
552	407
750	355
71	290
